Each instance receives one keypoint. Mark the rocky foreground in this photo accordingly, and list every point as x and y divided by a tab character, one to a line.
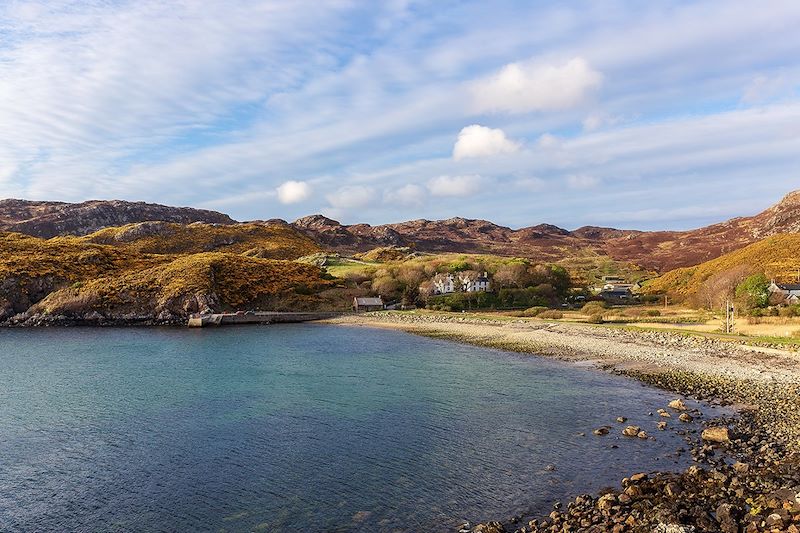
747	472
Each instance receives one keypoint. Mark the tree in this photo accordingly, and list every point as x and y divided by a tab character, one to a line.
753	292
512	275
722	286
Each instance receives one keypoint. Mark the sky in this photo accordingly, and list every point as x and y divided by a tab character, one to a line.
649	115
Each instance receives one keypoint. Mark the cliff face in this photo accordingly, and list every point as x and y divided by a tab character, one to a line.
50	219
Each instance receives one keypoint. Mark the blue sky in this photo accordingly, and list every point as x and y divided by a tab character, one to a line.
632	114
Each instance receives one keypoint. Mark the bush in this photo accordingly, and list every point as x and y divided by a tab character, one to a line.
789	311
653	312
595	319
593	307
534	311
551	314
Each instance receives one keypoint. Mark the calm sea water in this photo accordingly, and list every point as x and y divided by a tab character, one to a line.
299	427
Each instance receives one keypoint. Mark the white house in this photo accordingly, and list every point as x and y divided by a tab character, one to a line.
444	284
790	292
475	282
466	282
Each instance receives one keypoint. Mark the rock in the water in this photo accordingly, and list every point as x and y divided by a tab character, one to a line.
665	414
662	425
685	417
678	405
621	419
642	434
631	431
716	434
601	431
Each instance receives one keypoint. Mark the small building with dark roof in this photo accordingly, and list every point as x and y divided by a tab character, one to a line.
363	304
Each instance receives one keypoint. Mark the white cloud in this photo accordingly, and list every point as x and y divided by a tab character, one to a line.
407	195
351	197
521	88
480	141
292	192
582	181
455	185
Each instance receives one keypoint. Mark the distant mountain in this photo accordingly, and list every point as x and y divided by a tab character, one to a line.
660	251
655	250
50	219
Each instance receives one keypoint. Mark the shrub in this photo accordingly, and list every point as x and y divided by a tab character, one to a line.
653	312
788	311
595	319
551	314
534	311
593	308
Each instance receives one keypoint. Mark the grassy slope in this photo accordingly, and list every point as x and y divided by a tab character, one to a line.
778	257
258	240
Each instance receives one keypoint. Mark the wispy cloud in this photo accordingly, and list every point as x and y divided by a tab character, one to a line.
225	104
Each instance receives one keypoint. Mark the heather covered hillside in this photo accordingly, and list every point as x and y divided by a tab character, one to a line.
777	257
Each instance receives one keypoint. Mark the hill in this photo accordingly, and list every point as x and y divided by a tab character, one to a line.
51	219
205	282
156	271
654	250
152	228
778	257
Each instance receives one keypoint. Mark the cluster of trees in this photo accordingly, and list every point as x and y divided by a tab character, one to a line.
746	289
515	283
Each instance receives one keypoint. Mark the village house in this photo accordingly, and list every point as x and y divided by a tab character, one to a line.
444	284
363	304
475	282
464	282
788	293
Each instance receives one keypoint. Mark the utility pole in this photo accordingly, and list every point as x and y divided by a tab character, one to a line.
730	319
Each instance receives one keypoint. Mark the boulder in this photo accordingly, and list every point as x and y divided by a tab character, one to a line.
678	405
631	431
718	434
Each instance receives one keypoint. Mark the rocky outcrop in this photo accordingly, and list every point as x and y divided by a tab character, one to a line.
50	219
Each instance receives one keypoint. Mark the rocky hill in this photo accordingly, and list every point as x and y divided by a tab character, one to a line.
155	272
50	219
654	250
